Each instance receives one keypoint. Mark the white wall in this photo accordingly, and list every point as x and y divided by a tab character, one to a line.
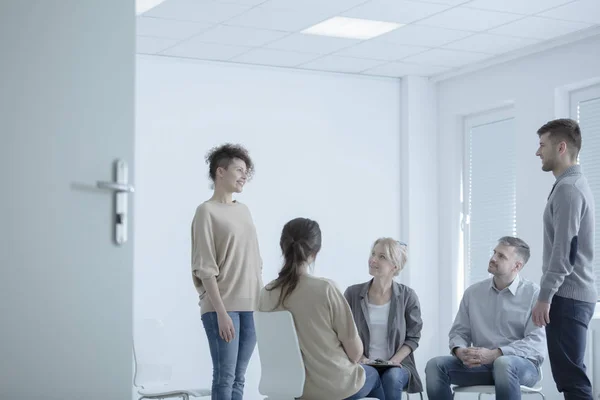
326	146
419	169
529	84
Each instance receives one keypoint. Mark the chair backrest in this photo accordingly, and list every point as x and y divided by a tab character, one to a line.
281	361
150	354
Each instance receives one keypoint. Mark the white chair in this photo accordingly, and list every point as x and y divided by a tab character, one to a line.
282	367
152	374
490	389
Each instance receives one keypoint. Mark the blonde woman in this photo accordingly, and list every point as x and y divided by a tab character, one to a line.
388	318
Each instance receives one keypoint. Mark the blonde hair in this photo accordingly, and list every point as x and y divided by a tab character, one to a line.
396	252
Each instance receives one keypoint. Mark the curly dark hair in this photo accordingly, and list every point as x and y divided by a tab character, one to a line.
222	156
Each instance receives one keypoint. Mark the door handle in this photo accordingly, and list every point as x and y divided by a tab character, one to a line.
121	189
116	187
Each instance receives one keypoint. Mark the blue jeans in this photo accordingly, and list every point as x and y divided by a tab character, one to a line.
394	381
372	386
507	374
230	360
566	336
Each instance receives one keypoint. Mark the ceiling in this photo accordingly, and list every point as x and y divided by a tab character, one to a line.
439	36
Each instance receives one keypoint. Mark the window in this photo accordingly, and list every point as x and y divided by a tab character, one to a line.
585	108
489	189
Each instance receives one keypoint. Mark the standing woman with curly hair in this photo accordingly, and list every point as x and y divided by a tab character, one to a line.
226	270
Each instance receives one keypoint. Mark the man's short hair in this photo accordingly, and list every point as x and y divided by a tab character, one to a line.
563	129
520	246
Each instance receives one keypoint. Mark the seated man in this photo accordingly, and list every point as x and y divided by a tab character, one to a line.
493	339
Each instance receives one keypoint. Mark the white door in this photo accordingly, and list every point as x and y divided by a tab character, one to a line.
66	113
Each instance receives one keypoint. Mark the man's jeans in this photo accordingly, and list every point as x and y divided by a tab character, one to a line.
230	360
566	336
507	374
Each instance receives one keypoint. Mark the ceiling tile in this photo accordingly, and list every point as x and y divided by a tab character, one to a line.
449	2
440	34
582	10
251	3
446	58
332	7
381	51
400	69
469	19
312	43
236	35
206	51
491	44
419	35
168	28
279	20
516	6
539	28
152	45
274	57
197	10
403	12
341	64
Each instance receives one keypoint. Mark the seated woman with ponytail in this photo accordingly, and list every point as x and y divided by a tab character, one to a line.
329	341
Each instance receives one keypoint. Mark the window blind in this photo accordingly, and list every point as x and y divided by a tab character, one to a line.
586	110
490	192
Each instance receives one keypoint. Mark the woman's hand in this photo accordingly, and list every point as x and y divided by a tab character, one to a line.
364	360
395	361
400	355
226	329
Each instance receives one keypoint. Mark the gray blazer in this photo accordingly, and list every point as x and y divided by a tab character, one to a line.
404	323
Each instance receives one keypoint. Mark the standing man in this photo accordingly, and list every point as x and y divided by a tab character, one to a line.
568	295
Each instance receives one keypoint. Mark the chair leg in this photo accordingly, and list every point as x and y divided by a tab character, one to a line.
542	394
479	397
186	396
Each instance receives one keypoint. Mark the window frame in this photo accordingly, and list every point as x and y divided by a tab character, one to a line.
577	96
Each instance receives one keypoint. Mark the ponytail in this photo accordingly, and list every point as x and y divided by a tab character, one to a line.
290	273
300	240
